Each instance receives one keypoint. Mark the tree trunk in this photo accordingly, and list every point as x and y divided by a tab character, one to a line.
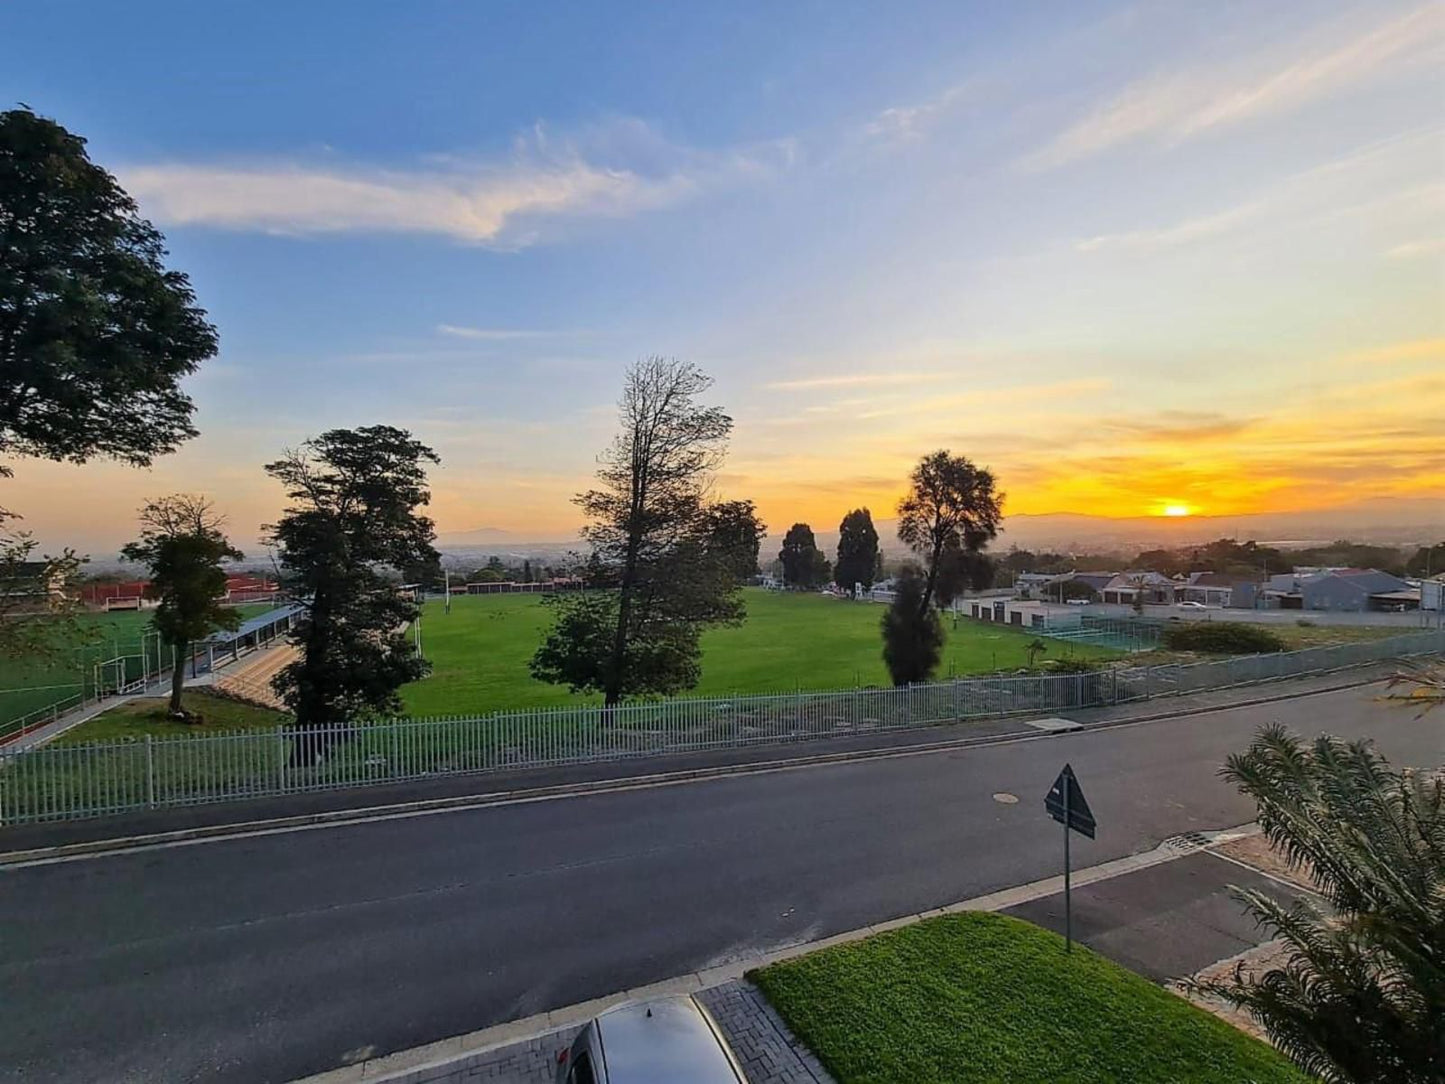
928	583
178	676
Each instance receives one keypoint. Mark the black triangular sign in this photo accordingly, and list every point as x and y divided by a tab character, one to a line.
1081	817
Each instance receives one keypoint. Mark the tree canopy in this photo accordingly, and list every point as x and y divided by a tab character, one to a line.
735	533
665	563
95	332
951	505
858	554
1361	996
913	633
354	497
803	563
182	544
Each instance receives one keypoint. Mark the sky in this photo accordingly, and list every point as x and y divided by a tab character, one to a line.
1134	258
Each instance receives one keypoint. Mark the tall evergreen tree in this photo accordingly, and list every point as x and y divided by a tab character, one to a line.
803	563
912	632
355	496
858	553
735	534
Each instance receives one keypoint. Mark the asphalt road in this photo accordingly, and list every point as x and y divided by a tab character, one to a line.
268	958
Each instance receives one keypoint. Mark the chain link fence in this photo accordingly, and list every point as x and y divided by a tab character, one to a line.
67	781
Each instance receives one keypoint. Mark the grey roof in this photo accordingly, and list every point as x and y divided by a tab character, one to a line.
254	624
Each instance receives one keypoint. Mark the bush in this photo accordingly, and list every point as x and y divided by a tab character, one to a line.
1071	666
1222	638
912	642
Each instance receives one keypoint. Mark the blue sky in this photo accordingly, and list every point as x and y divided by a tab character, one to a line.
1130	256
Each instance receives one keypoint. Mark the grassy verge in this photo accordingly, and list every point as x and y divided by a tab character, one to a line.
983	997
137	718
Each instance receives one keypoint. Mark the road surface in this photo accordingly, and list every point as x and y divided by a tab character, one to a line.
267	958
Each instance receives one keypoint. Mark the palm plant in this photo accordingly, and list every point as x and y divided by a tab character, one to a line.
1361	997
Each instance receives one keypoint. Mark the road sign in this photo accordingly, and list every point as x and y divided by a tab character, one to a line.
1065	803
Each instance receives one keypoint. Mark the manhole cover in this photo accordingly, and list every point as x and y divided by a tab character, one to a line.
1006	798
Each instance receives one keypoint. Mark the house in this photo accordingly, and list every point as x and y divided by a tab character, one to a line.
1350	590
1053	588
1125	588
1032	584
1216	589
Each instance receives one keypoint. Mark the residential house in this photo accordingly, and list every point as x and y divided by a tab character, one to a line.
1216	589
1349	590
1125	588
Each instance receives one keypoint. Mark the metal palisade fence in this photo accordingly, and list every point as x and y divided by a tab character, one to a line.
67	781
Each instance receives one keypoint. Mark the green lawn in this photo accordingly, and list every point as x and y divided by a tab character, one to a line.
137	718
479	652
27	685
980	997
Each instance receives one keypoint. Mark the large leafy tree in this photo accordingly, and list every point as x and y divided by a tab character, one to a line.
654	552
735	533
803	563
912	632
951	505
182	544
354	499
95	332
858	554
1361	997
37	607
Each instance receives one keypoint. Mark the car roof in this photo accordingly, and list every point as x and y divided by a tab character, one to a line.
662	1041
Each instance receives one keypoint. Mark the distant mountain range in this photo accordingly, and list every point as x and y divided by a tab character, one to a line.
1383	522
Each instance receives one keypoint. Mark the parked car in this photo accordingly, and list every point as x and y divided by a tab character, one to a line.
1193	606
667	1041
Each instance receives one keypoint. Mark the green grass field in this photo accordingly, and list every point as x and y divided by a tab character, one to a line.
975	998
479	652
28	686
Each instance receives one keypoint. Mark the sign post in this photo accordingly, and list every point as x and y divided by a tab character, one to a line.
1065	803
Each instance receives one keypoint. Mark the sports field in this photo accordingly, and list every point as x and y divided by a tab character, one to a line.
26	686
479	652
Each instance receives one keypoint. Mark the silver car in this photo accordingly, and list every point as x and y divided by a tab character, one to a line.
672	1040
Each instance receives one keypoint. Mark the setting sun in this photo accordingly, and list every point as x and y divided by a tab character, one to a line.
1176	510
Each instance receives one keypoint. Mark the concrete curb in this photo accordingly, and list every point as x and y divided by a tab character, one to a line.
424	807
438	1054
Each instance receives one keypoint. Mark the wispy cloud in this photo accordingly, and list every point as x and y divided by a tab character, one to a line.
1180	233
905	123
1431	246
493	334
501	203
857	380
1172	108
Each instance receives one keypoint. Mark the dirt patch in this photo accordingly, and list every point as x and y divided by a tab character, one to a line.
1256	961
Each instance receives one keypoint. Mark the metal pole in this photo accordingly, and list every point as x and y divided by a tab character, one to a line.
447	579
1068	885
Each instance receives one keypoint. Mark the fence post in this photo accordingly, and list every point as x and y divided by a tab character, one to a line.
150	773
280	760
957	715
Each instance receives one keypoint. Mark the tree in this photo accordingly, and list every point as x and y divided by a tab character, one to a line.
354	498
1361	998
526	570
182	544
648	526
735	533
912	632
1034	648
951	505
803	564
95	333
961	570
37	606
1427	561
858	554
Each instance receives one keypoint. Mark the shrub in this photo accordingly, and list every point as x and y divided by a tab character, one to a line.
1222	638
912	636
1071	666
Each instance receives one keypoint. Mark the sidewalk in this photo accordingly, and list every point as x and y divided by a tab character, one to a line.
462	790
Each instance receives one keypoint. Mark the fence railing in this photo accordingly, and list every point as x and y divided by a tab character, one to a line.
65	781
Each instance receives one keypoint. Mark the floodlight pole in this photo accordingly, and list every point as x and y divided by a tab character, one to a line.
447	580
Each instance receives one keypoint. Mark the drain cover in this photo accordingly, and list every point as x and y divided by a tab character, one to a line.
1187	841
1006	798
